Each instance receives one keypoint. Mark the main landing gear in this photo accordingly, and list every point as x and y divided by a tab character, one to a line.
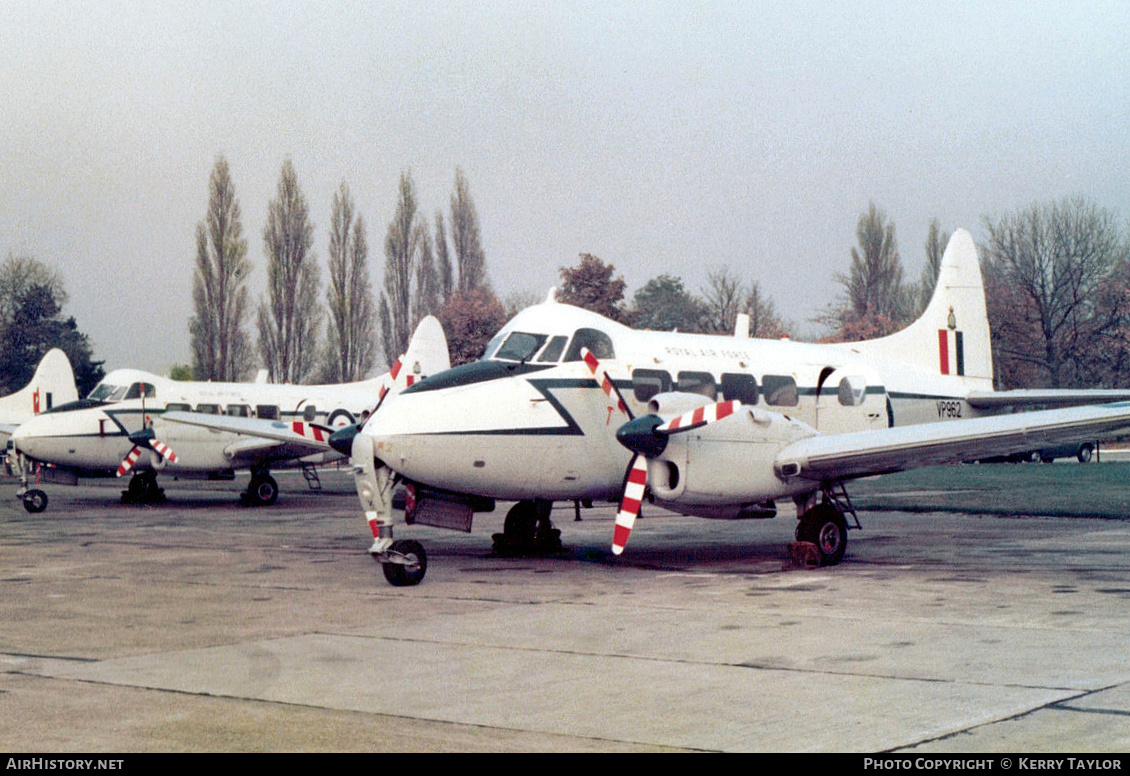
262	490
822	525
528	531
143	489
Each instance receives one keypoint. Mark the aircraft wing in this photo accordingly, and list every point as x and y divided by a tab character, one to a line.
845	456
1058	397
266	439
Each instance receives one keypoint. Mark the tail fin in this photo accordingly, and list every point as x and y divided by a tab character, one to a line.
426	355
952	336
52	384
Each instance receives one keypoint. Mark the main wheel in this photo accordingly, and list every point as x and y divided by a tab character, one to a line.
1085	453
264	490
825	527
410	573
35	501
521	523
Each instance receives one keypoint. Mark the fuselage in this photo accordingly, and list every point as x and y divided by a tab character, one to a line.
530	422
90	437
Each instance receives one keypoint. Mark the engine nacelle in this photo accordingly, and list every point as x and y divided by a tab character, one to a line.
728	463
676	403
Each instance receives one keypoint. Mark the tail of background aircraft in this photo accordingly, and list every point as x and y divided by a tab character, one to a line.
952	336
426	354
52	384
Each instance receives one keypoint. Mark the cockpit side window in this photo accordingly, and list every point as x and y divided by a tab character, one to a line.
491	347
553	350
137	390
520	346
598	343
102	392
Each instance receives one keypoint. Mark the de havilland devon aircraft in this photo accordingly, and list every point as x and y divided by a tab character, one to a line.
134	421
52	384
568	405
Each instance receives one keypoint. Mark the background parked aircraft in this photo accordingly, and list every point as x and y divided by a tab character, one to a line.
52	384
134	421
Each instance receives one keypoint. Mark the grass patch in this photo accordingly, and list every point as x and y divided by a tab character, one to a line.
1059	490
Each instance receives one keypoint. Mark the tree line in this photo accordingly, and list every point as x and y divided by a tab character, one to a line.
1057	286
1057	278
422	276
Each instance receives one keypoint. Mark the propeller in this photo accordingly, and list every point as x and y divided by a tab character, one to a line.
635	479
146	437
647	438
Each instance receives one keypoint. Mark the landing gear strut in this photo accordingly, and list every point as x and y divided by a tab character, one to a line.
528	531
34	499
404	561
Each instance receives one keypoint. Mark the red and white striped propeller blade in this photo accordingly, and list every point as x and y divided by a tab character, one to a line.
163	450
605	381
698	417
634	486
128	462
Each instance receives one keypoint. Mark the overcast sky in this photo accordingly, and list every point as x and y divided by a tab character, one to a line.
664	137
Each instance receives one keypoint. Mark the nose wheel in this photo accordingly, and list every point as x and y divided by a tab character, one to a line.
404	563
35	500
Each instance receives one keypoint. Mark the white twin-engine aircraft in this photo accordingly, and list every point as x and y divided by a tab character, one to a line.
530	422
134	421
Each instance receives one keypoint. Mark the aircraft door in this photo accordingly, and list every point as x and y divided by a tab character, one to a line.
850	399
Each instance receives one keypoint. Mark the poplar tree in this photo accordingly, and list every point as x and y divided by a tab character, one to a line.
220	345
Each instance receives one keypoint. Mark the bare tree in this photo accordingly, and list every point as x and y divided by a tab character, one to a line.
1057	301
722	298
220	345
764	322
352	328
402	244
466	238
427	295
444	269
875	300
290	317
936	241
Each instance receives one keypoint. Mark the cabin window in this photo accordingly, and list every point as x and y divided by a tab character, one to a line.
697	382
139	390
520	346
598	343
853	390
208	409
740	387
177	407
239	410
267	411
310	413
779	390
648	382
553	350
